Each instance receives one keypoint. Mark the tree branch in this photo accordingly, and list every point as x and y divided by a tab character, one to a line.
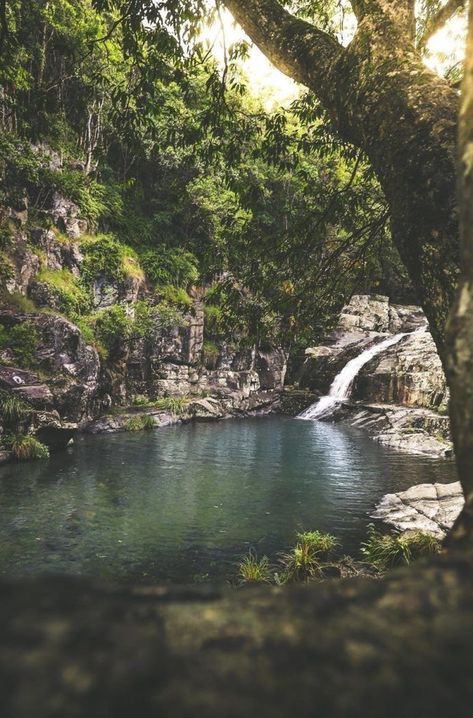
296	47
438	20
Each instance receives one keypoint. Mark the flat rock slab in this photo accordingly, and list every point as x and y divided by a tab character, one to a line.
412	429
13	377
425	507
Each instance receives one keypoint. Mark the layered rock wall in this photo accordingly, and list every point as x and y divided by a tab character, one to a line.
68	379
400	395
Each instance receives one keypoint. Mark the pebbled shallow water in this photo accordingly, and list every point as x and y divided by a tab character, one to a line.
185	503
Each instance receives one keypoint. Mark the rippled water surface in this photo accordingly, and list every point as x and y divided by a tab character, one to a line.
186	502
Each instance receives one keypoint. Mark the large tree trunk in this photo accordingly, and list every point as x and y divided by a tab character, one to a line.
460	328
381	98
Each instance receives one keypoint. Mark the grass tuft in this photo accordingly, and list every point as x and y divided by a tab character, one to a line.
12	409
254	570
305	560
142	422
27	448
176	405
396	549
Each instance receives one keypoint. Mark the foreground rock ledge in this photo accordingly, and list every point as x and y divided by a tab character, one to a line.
401	646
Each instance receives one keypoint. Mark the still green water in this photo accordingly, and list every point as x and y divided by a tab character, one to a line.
186	502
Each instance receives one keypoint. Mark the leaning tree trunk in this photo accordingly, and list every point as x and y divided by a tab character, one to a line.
460	328
382	98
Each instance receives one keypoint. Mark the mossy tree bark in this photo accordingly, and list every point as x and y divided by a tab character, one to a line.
460	327
382	98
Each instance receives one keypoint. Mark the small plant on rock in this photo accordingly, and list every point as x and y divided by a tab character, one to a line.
12	410
396	549
22	340
306	559
254	570
142	422
173	404
26	448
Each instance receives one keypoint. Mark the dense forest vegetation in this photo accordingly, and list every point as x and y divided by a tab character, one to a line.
181	174
169	241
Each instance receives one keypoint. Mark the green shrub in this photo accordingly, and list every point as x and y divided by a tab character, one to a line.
17	301
72	298
151	319
85	325
112	326
23	341
175	296
105	256
12	410
26	448
213	319
7	268
305	560
254	570
6	237
210	354
94	199
142	422
169	316
174	404
170	266
140	400
395	549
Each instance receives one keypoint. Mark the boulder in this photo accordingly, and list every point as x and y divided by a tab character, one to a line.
365	313
374	313
71	365
415	430
409	373
67	217
26	265
58	254
424	507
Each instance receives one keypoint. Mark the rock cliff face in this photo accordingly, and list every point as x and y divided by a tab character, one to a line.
67	375
66	382
409	374
400	395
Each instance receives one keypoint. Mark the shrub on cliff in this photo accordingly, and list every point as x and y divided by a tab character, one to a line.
105	256
72	297
170	266
13	411
22	340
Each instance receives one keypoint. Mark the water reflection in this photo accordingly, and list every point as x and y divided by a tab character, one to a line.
189	500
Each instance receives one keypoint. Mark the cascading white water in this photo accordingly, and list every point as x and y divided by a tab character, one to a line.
341	385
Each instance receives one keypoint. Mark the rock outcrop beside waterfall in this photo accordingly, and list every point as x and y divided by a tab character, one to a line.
400	396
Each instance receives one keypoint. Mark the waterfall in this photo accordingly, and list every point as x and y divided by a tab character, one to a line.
341	385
